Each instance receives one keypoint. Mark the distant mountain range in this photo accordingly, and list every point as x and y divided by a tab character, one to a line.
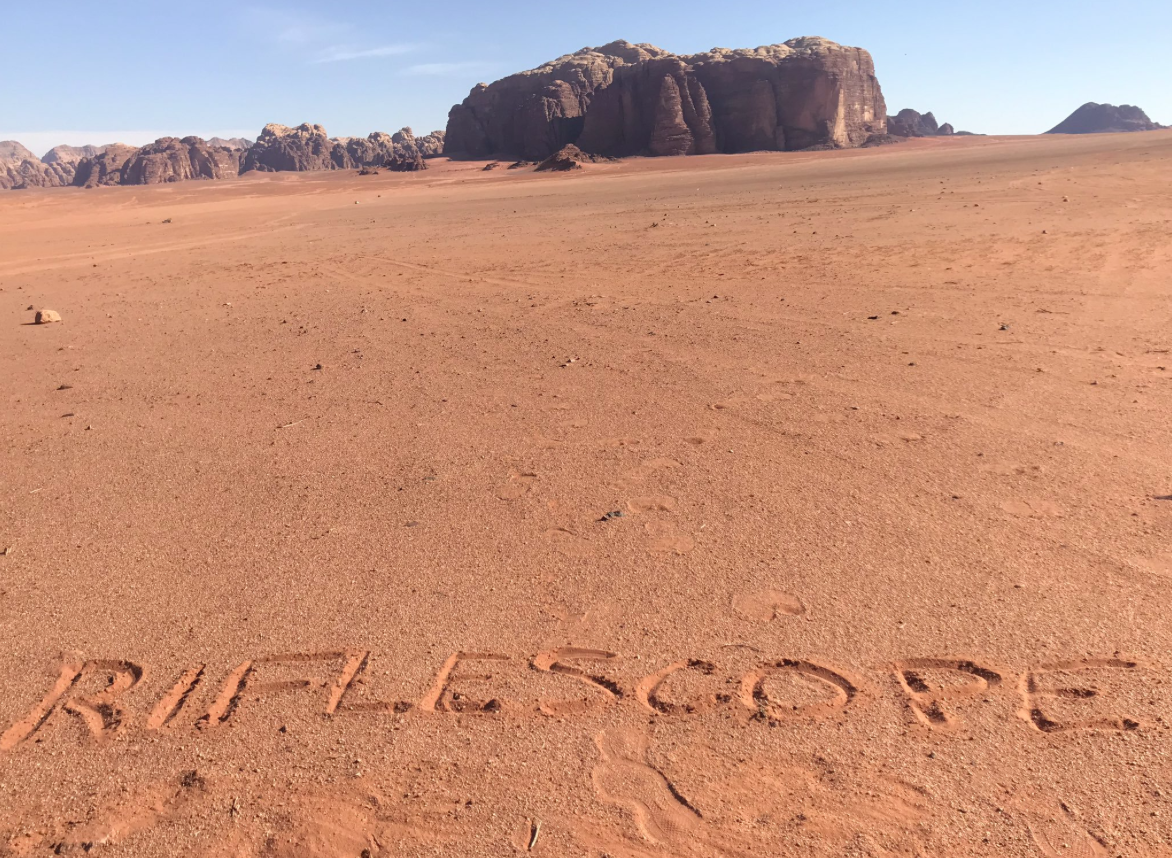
171	159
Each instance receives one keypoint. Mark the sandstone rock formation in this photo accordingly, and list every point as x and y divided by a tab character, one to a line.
1094	118
912	123
172	160
431	145
20	168
10	150
308	147
104	169
625	99
569	157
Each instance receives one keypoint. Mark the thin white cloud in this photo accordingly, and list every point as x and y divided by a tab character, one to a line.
40	142
340	53
293	28
445	69
314	39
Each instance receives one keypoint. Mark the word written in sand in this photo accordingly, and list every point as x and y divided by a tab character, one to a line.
110	695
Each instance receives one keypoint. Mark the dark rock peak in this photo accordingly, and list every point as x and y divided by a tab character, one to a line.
1094	118
912	123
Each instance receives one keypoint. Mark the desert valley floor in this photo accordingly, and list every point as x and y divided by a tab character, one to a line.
310	540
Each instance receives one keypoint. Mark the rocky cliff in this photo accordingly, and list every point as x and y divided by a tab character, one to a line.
308	147
625	99
104	169
170	159
1094	118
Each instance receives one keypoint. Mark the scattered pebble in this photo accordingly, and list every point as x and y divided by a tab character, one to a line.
610	516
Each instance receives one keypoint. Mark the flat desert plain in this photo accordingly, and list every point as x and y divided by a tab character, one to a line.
764	505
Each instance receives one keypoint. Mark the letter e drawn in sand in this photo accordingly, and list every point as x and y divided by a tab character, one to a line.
926	699
559	661
829	690
1034	696
443	698
99	710
249	677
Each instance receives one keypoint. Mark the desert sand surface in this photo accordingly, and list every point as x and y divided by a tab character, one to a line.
309	509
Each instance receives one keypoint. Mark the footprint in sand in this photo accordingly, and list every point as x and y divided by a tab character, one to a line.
625	778
767	605
651	467
773	397
566	542
142	810
731	403
665	539
653	503
1059	834
1032	508
518	485
1160	566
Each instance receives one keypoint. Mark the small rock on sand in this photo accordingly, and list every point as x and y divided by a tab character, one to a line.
44	317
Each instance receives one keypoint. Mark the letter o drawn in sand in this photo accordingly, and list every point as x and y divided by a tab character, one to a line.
835	690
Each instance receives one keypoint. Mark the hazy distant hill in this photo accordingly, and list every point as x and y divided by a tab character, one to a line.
1094	118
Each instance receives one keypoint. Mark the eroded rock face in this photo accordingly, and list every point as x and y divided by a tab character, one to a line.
20	168
912	123
34	174
624	99
106	168
308	147
431	145
10	150
1094	118
170	159
397	152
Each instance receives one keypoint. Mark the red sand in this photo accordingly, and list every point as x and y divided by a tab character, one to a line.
302	503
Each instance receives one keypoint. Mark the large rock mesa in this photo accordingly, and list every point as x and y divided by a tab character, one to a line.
625	99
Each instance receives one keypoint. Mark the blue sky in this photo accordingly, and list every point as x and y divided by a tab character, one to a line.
132	71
